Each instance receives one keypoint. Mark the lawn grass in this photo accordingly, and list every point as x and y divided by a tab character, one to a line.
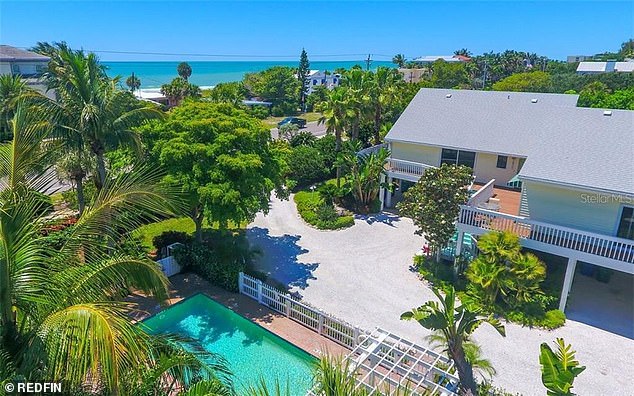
309	117
183	224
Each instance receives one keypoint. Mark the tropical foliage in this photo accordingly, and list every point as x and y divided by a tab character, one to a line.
220	158
179	89
453	325
559	368
434	202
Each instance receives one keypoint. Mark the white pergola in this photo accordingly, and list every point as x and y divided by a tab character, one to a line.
387	364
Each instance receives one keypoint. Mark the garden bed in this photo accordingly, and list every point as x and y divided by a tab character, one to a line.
314	209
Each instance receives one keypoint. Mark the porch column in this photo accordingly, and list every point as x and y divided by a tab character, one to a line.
459	243
388	198
570	274
382	192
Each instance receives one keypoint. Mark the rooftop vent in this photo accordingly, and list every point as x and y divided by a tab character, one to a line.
534	100
607	113
448	96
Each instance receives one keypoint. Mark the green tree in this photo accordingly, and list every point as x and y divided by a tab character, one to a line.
536	81
434	202
220	158
559	368
454	324
178	90
231	92
448	74
620	99
335	115
627	49
384	90
399	60
319	95
133	82
303	72
62	317
356	84
11	88
277	85
463	52
184	70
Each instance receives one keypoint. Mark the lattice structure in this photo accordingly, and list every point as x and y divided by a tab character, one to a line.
386	364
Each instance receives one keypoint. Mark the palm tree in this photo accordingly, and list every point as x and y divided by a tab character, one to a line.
11	88
133	82
356	83
184	70
91	112
335	115
455	324
399	60
61	314
383	92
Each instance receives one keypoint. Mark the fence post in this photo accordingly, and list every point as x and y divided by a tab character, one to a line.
241	282
259	283
355	335
320	328
288	306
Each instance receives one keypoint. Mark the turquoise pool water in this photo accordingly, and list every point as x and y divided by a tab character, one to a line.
252	351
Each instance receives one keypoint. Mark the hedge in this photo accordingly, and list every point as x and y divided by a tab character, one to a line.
316	212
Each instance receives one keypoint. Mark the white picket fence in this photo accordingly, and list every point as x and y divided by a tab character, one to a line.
168	264
313	318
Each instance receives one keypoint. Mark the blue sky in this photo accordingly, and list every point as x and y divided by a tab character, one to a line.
280	29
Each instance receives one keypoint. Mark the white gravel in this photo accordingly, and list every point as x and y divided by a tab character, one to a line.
361	274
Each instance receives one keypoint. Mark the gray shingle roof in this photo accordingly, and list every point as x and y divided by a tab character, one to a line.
12	54
563	144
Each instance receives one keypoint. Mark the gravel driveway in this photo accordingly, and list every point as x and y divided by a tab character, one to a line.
361	274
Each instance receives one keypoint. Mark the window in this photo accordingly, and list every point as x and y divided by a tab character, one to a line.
502	160
626	224
314	82
458	157
15	69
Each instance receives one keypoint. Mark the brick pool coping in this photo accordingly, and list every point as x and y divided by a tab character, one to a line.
186	285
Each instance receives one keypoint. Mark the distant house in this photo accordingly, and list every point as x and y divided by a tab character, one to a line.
606	67
447	58
578	58
413	75
557	175
322	77
29	65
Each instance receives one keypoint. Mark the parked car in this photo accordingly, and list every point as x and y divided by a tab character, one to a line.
300	122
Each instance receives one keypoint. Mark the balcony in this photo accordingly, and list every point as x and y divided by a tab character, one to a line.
405	170
599	249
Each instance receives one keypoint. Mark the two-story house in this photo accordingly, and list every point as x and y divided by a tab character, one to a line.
559	176
322	77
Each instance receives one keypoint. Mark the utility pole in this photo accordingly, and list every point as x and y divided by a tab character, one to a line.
367	62
484	76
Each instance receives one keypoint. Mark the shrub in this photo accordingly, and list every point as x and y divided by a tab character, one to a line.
326	147
260	112
169	237
306	165
553	319
316	212
303	138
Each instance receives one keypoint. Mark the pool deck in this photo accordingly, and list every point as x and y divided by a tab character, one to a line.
186	285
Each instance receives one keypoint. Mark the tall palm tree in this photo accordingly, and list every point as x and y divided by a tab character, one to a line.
11	88
383	92
455	324
94	115
356	82
335	114
61	314
399	60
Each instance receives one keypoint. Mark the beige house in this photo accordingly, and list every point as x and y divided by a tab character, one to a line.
559	176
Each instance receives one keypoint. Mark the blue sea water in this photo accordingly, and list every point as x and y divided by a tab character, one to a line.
209	73
252	352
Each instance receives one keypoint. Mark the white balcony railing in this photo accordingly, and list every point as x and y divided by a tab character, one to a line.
618	249
407	167
482	195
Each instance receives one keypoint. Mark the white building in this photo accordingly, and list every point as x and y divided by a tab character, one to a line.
447	58
558	176
606	67
29	65
322	77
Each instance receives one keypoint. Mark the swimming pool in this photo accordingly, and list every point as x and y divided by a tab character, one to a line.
252	351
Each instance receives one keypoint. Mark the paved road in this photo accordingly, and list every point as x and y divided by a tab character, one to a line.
361	274
312	127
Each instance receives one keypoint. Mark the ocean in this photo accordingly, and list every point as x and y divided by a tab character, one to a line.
209	73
